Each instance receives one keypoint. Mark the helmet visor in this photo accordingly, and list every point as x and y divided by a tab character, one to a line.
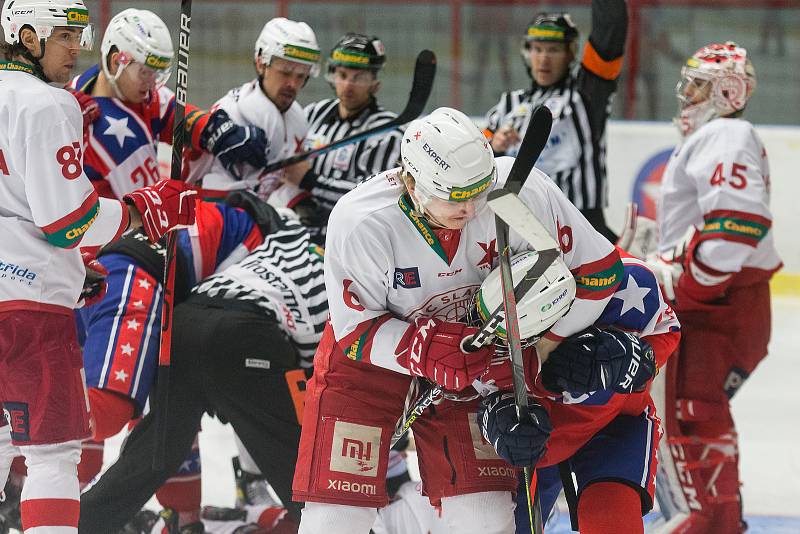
72	38
454	201
154	73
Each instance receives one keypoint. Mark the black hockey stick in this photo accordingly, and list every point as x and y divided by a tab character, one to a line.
532	145
424	73
165	348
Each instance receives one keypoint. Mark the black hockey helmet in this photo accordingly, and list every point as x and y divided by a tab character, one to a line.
556	27
357	51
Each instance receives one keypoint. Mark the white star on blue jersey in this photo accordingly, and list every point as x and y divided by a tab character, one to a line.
119	129
632	296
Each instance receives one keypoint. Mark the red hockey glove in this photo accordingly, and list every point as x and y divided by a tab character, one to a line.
436	354
499	374
94	285
163	206
89	109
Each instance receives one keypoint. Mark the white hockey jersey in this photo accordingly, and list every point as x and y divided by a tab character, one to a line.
285	131
48	207
385	267
717	182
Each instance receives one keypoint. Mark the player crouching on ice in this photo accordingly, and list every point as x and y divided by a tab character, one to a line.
406	252
593	412
48	209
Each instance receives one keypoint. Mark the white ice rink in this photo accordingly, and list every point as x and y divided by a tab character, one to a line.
766	411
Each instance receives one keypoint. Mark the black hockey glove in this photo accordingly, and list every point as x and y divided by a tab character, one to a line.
232	143
595	360
519	443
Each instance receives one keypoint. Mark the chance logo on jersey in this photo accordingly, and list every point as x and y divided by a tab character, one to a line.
406	278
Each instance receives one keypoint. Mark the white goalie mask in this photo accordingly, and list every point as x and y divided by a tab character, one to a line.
290	40
144	45
717	81
45	15
545	303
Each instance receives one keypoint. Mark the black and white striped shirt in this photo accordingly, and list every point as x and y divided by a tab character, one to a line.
575	155
340	170
284	276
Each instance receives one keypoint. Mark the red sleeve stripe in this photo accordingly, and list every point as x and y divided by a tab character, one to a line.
67	231
735	226
599	279
196	121
124	223
353	344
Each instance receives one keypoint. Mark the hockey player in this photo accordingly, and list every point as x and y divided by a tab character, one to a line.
716	186
594	415
120	351
129	110
405	253
286	56
242	348
579	99
352	71
48	209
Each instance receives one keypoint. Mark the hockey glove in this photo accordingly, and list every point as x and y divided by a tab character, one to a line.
595	360
94	285
232	143
436	353
163	206
520	443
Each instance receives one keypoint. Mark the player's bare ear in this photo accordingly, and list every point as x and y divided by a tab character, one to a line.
29	39
375	86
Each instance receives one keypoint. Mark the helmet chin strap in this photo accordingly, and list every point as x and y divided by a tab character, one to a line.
112	79
420	211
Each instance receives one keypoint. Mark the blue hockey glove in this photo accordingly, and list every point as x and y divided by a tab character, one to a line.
595	360
519	443
232	143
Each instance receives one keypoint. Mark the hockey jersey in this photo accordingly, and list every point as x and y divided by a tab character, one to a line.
717	182
123	141
284	277
637	306
385	267
47	205
285	133
122	330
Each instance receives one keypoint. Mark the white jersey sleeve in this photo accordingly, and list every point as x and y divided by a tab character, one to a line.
592	259
356	264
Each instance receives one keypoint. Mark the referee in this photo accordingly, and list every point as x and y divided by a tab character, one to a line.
352	71
579	98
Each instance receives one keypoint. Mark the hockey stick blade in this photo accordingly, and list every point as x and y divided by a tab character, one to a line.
532	145
424	74
519	217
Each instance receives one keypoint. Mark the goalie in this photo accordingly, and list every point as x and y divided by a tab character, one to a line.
593	416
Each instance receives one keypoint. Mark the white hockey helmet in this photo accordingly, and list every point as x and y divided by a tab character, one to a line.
290	40
448	157
716	81
44	15
142	39
547	301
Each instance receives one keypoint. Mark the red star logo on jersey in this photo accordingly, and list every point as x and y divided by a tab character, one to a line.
490	251
298	144
417	136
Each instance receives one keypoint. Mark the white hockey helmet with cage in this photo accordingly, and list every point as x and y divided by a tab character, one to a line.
716	81
45	15
448	157
142	39
545	303
290	40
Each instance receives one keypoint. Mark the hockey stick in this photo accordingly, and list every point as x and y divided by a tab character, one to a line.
424	74
532	145
165	351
